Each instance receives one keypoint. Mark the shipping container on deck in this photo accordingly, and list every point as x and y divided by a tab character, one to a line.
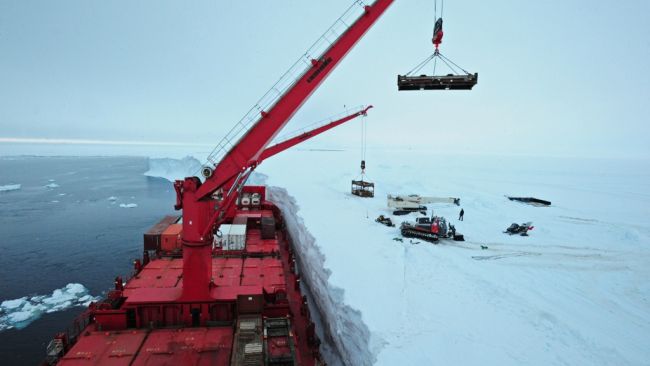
233	237
268	227
152	238
171	238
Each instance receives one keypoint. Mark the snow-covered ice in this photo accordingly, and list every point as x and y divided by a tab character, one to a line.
571	293
51	185
128	205
19	313
575	291
112	198
10	187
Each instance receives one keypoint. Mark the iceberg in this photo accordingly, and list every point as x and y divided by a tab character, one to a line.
173	169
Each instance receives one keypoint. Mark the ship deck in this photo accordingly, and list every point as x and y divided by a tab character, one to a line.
254	290
188	346
160	280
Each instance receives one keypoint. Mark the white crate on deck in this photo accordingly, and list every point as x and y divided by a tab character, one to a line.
233	237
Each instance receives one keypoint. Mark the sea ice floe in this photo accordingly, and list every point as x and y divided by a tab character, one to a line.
19	313
13	304
52	185
10	187
128	205
112	198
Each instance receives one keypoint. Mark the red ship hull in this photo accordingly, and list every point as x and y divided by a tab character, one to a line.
256	313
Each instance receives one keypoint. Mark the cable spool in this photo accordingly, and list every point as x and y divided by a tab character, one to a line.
207	171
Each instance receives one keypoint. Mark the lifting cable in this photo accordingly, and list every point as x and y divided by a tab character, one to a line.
364	144
446	59
435	63
435	9
435	56
437	39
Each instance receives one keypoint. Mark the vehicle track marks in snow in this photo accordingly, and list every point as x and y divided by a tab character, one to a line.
579	220
502	256
404	266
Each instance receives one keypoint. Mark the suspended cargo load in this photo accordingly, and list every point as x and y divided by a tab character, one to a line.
448	82
458	79
362	188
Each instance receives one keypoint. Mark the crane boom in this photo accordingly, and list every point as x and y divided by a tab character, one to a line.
286	144
247	150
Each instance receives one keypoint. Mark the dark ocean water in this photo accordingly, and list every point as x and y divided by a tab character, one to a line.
50	237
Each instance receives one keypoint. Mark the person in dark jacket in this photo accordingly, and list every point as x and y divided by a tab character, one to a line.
462	213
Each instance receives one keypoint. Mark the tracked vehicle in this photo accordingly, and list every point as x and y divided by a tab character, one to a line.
431	229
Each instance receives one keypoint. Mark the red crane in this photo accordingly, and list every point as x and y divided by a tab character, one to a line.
205	205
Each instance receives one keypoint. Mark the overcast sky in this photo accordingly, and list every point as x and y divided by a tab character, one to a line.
561	77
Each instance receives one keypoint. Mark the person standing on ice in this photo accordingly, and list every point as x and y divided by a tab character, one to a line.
462	213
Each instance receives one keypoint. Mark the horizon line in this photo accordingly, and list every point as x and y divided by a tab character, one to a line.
34	140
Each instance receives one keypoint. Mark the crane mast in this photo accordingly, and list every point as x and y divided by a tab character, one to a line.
201	211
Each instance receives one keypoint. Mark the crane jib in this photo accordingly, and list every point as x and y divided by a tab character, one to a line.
320	69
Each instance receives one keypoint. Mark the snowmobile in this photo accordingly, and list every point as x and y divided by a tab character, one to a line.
385	221
519	229
430	229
